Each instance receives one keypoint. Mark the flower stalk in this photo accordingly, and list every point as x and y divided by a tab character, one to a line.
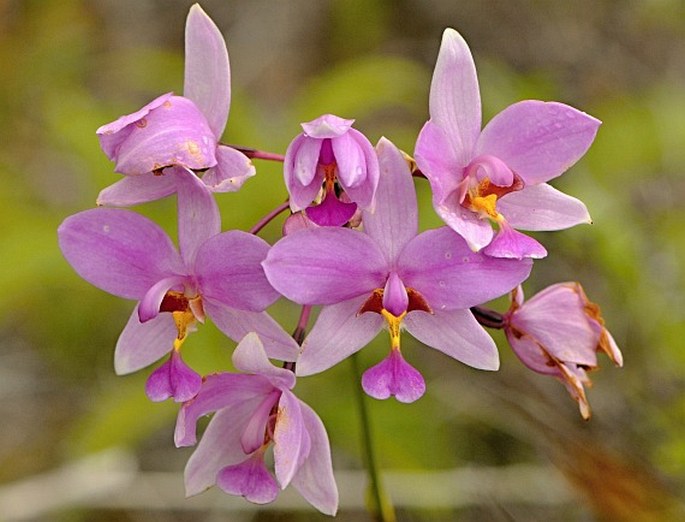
381	507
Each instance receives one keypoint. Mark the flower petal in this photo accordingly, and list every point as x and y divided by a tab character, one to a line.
542	207
228	269
327	126
232	170
149	305
134	190
325	265
173	379
301	175
454	96
457	334
291	438
249	479
207	76
394	221
511	244
350	160
176	133
118	251
198	214
331	212
439	265
112	135
314	479
250	357
556	319
437	161
538	140
394	376
236	324
219	447
360	186
221	391
337	334
141	344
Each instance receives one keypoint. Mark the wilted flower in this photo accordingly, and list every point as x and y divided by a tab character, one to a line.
423	282
255	412
558	332
498	175
331	153
182	131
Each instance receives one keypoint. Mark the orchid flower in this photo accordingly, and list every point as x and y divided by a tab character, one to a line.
182	131
390	275
498	175
330	153
214	274
253	413
558	332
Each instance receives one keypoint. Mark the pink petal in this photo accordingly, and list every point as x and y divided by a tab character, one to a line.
350	160
331	212
394	221
112	135
314	479
394	377
538	140
337	334
510	244
542	207
176	133
252	437
360	185
439	265
149	305
454	96
141	344
232	170
219	447
228	269
207	76
436	159
249	479
236	324
118	251
476	232
327	126
457	334
325	265
302	177
291	438
173	379
529	351
134	190
395	298
221	391
198	214
555	318
250	357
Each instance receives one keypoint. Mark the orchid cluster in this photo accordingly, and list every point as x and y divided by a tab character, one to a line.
351	244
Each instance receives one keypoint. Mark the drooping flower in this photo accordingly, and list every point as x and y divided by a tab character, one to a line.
558	332
330	153
390	275
214	274
498	175
256	411
182	131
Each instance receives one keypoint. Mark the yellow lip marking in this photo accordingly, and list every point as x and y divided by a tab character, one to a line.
394	323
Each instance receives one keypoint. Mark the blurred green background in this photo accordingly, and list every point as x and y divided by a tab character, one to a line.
69	66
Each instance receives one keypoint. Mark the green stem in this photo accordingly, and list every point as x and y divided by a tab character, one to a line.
382	509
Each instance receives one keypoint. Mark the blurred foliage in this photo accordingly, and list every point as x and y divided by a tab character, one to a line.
71	65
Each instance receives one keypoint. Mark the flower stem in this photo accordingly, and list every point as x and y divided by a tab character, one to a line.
269	217
489	318
381	508
258	154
